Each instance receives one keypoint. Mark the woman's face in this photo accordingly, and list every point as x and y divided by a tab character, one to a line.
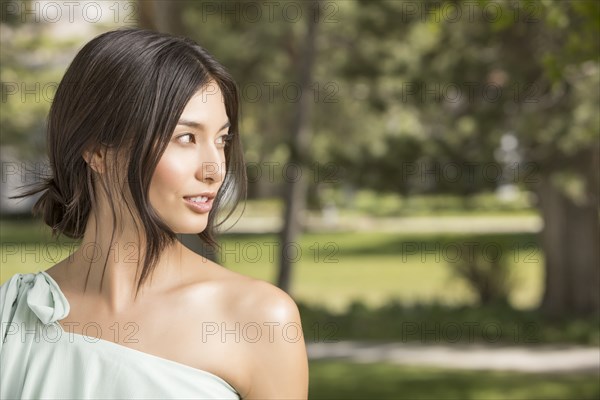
192	168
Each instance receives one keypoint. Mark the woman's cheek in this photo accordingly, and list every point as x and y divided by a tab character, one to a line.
169	174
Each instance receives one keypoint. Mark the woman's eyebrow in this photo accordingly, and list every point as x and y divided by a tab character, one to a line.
199	125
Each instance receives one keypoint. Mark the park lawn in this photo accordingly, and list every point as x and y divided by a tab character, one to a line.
27	246
326	276
345	380
335	269
332	269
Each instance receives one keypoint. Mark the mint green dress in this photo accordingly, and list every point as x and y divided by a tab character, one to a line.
40	360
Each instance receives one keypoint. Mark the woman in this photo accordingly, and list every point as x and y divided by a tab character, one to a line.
143	142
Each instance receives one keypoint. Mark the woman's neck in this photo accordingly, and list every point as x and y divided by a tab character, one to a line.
115	284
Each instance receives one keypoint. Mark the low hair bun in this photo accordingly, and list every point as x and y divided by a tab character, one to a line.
52	206
54	192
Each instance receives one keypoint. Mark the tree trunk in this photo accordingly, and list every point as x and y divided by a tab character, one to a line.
570	241
147	14
296	184
557	283
161	15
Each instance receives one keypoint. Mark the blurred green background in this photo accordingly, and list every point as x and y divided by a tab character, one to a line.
424	164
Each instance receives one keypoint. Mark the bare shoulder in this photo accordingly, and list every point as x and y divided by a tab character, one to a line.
272	338
265	301
257	300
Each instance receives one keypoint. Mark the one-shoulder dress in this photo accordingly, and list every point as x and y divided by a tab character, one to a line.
40	360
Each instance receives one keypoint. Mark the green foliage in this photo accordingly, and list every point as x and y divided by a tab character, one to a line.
384	204
33	59
540	57
27	89
433	323
487	273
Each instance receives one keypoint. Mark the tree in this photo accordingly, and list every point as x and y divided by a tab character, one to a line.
300	132
568	186
533	68
162	16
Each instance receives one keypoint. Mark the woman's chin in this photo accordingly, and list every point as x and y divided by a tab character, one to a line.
191	230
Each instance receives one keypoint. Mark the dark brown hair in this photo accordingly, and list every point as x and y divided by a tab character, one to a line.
125	90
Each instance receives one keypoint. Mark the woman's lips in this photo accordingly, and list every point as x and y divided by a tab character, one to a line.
201	208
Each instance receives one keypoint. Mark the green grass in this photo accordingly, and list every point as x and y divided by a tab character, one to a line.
27	246
332	269
337	269
389	204
342	380
375	204
435	324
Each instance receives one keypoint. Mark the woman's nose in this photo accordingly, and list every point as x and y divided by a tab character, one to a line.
212	164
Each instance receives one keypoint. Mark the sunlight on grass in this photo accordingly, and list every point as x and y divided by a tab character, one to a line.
343	380
28	247
334	270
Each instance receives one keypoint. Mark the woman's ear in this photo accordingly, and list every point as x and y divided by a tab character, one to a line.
95	159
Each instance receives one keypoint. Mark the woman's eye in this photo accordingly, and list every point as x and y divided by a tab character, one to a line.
223	139
193	138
